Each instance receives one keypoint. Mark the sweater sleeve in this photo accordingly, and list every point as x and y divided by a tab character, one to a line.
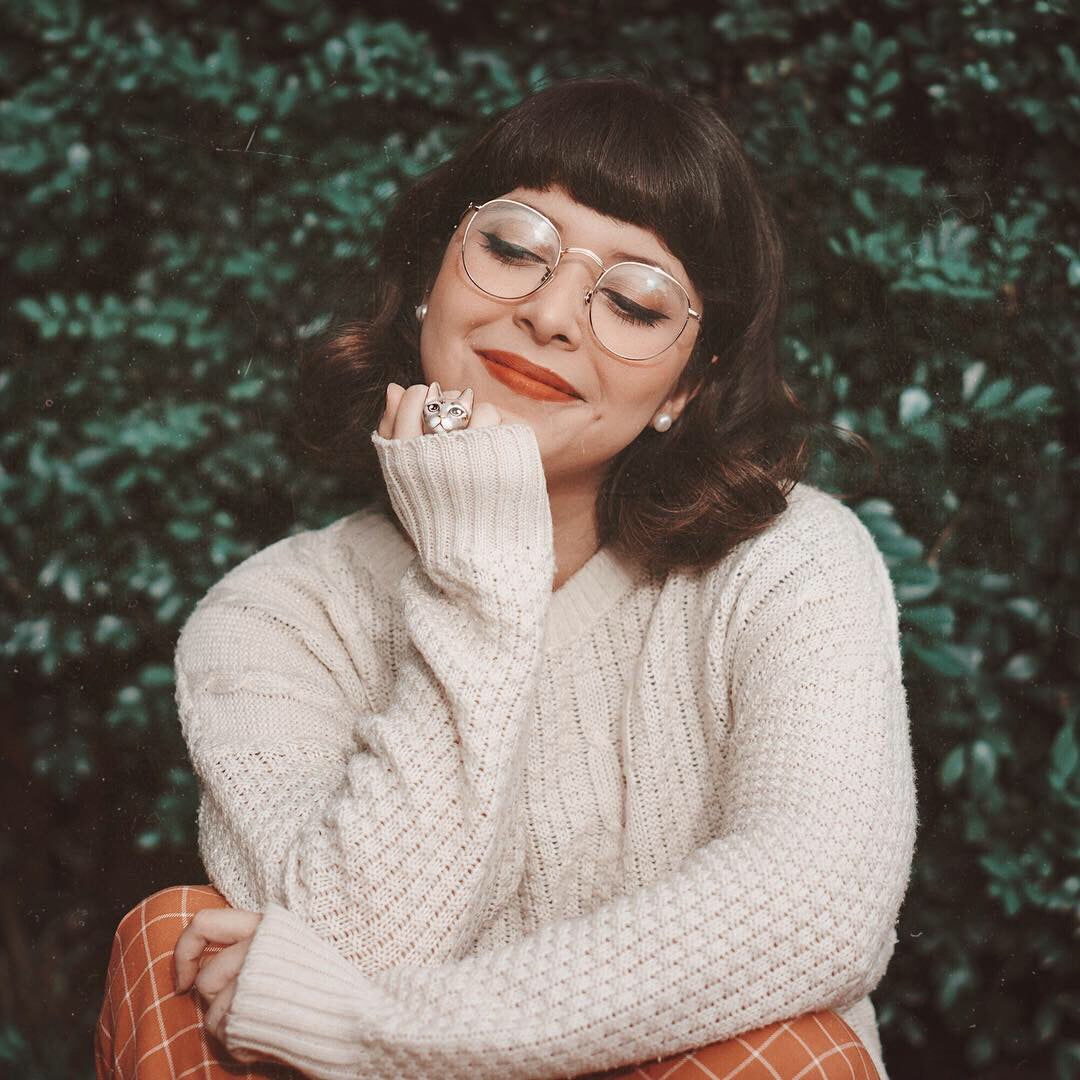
393	834
790	909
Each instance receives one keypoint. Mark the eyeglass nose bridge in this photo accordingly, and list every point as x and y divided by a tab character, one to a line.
575	251
583	251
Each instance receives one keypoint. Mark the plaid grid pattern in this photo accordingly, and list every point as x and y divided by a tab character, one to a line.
148	1032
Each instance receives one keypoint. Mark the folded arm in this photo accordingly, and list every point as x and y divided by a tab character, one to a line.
393	833
789	910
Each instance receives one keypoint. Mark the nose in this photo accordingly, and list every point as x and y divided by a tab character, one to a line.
557	312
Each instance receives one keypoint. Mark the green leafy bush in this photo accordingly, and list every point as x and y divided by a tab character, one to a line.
193	190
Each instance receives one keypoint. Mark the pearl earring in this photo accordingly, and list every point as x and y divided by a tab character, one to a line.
421	311
662	421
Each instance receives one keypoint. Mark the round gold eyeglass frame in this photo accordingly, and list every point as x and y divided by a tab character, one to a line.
550	273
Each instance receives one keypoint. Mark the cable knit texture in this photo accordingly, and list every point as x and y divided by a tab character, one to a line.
500	831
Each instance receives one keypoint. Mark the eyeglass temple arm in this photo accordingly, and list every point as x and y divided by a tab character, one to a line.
471	206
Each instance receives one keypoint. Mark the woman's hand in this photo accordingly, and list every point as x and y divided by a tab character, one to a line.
403	416
214	977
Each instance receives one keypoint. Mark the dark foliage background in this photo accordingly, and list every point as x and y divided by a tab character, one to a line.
188	187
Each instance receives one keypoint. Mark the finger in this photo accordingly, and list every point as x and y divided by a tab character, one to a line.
219	926
217	973
394	393
216	1014
485	415
407	421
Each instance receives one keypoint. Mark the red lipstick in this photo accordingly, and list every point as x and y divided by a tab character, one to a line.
527	378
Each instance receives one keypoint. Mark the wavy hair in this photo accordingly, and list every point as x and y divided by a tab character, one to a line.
664	161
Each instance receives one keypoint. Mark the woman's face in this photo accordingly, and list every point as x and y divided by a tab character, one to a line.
550	328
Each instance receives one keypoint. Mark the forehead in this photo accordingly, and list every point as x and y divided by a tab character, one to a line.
613	239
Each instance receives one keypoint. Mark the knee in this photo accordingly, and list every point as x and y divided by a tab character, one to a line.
168	911
830	1046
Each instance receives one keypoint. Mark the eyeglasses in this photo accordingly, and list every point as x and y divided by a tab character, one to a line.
510	251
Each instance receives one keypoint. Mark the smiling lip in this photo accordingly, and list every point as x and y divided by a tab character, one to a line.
509	368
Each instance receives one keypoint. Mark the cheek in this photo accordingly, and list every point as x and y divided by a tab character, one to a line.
630	396
454	305
455	311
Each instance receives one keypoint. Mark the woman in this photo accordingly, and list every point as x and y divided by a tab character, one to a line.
585	743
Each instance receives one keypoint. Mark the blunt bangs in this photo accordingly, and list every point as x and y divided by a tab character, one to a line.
618	149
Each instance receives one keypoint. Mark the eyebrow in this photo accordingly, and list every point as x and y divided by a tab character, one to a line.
615	256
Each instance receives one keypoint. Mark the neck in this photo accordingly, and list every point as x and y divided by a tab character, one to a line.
573	524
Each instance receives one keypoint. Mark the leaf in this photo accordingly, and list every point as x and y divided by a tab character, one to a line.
247	389
1001	865
1022	667
71	583
905	179
184	531
155	675
1033	400
983	765
887	83
956	980
857	97
1064	752
876	507
161	334
954	661
1027	607
936	619
915	582
31	309
915	403
952	767
861	199
995	393
973	374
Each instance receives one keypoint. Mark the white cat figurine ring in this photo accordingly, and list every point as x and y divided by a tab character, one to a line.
443	414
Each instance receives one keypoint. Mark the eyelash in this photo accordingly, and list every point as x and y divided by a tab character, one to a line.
630	314
508	253
511	253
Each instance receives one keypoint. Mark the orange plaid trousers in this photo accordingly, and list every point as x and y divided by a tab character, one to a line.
147	1031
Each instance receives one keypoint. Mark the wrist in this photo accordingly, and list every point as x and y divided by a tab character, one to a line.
470	493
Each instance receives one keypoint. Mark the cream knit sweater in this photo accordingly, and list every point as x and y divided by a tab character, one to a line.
500	831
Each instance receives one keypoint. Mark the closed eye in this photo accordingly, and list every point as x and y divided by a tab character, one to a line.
507	252
630	312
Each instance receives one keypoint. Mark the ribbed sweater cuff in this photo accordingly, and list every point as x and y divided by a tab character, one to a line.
464	491
297	998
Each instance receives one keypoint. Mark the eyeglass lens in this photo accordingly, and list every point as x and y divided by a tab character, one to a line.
510	250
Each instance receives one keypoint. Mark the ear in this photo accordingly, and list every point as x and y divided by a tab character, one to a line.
466	398
434	393
682	397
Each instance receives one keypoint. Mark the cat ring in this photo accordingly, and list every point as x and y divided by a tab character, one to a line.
443	413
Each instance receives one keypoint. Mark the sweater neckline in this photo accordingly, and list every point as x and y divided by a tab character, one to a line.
591	591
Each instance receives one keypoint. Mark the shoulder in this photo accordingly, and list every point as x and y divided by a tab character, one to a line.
302	581
816	547
300	621
345	554
815	531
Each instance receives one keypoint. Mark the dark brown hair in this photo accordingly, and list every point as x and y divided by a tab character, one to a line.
664	161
